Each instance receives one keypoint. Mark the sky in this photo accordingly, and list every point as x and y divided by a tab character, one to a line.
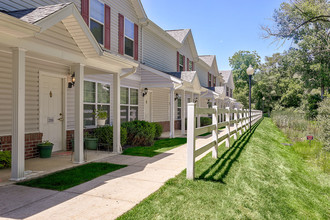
219	27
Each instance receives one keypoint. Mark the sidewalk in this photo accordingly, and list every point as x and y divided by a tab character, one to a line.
106	197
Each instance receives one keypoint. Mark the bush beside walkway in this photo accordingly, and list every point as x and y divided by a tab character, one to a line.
257	178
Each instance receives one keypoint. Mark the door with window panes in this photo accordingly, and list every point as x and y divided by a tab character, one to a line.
129	101
96	96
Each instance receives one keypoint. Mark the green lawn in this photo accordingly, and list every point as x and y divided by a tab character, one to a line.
257	178
66	179
159	147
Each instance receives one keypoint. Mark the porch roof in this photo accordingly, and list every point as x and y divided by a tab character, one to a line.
34	22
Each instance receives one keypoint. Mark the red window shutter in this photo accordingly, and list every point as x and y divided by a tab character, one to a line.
184	63
177	61
193	66
107	21
85	10
136	42
188	64
120	34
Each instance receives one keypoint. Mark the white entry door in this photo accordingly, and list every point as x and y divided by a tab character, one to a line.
51	114
147	107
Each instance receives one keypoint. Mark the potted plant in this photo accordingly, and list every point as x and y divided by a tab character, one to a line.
45	149
91	141
101	116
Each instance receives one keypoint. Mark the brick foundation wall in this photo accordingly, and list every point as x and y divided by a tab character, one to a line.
31	141
166	125
69	137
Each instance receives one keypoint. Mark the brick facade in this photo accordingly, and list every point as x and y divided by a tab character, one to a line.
31	141
166	125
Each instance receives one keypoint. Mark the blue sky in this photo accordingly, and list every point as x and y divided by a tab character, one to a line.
219	27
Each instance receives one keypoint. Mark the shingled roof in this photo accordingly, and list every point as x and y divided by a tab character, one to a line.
34	15
208	59
225	75
187	76
178	35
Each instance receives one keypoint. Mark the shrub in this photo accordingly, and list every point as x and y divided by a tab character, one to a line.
140	133
105	135
5	159
324	123
158	130
205	121
312	100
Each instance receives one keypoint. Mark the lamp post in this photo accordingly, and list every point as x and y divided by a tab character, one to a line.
250	72
263	104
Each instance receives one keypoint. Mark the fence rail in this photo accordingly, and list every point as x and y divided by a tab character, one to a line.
239	118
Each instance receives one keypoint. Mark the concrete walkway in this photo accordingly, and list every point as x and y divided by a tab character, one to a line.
106	197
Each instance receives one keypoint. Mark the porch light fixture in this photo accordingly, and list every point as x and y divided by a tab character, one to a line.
73	80
145	92
177	96
196	100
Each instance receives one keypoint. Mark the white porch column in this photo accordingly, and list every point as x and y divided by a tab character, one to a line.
79	114
199	116
183	113
18	129
116	114
172	118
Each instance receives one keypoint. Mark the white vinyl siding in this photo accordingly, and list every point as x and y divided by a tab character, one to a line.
160	105
125	7
33	66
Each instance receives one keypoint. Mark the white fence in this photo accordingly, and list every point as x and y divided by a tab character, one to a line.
239	118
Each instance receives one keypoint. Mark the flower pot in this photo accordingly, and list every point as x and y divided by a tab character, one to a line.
101	122
45	150
91	143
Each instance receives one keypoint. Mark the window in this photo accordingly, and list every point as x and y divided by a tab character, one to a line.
129	104
190	66
96	96
181	62
214	81
97	20
209	80
227	91
129	38
231	93
179	106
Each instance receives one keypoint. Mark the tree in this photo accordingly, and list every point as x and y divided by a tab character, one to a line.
239	62
307	23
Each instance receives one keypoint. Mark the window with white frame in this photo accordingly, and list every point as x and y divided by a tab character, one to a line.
181	62
129	104
227	91
209	80
96	97
97	20
179	106
129	38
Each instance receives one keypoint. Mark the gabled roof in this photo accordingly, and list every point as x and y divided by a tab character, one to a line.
139	9
208	59
187	76
179	35
34	15
225	74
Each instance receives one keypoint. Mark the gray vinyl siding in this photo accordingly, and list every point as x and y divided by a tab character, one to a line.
202	74
157	53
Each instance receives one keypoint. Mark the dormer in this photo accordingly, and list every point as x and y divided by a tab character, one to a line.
208	71
229	85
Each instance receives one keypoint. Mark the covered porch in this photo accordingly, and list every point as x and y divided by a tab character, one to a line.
37	68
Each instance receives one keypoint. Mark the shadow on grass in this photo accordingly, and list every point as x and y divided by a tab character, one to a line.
218	171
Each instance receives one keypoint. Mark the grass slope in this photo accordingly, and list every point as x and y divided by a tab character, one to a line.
66	179
257	178
159	147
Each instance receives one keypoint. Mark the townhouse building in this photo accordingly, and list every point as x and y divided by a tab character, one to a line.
62	60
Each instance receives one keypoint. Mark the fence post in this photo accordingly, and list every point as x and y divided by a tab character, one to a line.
247	119
235	123
240	122
228	127
191	125
215	132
